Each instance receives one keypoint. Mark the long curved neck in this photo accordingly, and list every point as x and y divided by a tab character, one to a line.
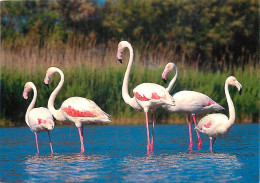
56	113
169	87
125	93
31	106
231	107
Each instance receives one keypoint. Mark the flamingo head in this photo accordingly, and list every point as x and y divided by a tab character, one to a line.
27	89
48	75
121	46
167	69
233	81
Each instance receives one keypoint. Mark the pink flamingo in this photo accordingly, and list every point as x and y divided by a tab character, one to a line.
146	95
214	125
189	102
75	109
38	119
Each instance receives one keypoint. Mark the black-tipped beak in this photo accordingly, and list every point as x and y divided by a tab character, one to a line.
47	85
120	60
164	80
240	91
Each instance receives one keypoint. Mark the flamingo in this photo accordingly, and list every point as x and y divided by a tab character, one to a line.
146	95
214	125
189	102
74	109
38	119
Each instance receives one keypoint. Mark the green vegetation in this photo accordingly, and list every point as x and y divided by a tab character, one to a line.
103	85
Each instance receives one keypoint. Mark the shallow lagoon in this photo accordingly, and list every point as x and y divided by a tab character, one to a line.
118	154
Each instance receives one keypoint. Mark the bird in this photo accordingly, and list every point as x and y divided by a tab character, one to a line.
215	125
78	110
38	119
188	102
146	95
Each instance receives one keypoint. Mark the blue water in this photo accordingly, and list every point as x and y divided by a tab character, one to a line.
118	154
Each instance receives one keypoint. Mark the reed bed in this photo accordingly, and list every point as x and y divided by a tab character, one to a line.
103	85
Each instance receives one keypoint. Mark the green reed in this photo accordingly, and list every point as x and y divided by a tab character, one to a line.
102	84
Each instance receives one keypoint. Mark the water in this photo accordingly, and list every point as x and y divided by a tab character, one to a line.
118	154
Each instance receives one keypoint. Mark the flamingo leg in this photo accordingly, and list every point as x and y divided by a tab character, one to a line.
153	130
147	131
210	140
50	142
36	141
81	140
199	139
190	134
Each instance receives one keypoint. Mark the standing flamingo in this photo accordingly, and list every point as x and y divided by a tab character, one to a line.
38	119
189	102
146	95
214	125
75	109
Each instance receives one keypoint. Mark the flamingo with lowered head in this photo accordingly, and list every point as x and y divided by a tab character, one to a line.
189	102
146	95
38	119
74	109
214	125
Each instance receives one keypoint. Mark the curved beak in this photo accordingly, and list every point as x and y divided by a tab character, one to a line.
46	81
120	60
25	94
164	76
119	56
239	87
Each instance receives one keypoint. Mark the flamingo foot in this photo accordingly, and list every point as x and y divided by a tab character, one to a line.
82	149
150	148
190	147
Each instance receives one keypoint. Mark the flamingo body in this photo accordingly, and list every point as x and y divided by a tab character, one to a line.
192	102
152	96
38	119
81	110
212	125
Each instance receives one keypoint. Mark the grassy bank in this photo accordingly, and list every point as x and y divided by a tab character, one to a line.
103	85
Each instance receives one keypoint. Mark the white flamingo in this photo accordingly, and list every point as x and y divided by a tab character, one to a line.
75	109
38	119
214	125
146	95
189	102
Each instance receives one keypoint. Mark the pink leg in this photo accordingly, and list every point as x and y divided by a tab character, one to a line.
147	131
190	134
153	131
199	139
210	140
50	142
81	141
36	140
